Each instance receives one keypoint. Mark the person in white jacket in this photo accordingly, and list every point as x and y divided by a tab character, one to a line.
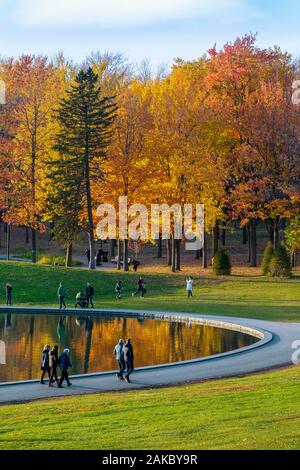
189	286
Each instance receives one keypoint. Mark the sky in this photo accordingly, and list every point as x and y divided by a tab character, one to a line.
159	30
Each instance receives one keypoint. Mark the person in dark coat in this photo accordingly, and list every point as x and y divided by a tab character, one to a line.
89	293
64	365
88	255
53	364
129	360
45	367
8	293
140	288
135	264
61	293
99	257
119	355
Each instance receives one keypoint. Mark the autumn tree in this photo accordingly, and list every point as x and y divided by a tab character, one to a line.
64	204
179	117
128	167
85	119
249	86
32	87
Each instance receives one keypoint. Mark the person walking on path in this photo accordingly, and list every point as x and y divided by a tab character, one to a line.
119	355
8	292
61	296
118	290
135	264
189	286
45	367
89	293
64	365
53	364
140	288
129	360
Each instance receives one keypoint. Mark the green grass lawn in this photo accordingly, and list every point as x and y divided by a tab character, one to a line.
255	297
256	412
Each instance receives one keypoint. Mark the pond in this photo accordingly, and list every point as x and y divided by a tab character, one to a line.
92	338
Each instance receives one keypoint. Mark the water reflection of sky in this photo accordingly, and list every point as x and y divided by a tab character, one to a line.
91	340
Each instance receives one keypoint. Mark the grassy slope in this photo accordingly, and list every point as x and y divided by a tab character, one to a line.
244	413
255	297
257	412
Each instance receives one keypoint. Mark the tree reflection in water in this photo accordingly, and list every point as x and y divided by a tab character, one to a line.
91	339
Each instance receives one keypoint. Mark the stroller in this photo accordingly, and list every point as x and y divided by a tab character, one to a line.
81	301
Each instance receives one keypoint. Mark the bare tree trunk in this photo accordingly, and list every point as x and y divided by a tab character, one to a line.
159	247
69	255
245	235
8	233
26	235
119	254
112	248
173	265
215	241
253	243
270	230
276	240
125	255
89	211
249	243
169	252
178	255
33	244
223	237
205	254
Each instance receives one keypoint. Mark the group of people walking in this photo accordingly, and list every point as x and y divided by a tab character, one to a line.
51	360
125	359
81	300
85	300
141	289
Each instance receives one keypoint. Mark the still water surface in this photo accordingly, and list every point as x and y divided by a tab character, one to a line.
91	340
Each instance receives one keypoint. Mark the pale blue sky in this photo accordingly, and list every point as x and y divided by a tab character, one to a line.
156	29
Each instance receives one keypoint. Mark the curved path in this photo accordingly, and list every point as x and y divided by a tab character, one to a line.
273	350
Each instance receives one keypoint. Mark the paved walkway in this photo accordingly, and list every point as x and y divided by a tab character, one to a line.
273	351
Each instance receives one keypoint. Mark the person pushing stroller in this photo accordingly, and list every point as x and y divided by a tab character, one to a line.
81	301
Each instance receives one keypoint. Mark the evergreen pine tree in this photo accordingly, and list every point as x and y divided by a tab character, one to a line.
64	204
222	263
85	119
268	253
280	265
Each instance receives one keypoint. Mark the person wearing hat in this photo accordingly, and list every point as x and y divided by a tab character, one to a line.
129	360
119	355
64	365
